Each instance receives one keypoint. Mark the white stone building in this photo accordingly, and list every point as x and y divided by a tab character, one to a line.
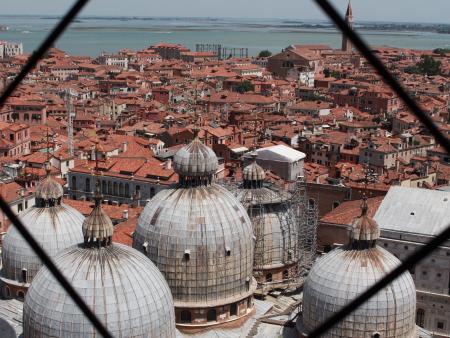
409	218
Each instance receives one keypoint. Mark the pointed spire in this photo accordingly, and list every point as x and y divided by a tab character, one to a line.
349	12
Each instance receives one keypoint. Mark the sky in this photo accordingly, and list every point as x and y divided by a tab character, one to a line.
364	10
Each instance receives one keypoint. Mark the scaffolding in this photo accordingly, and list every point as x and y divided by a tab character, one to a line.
306	214
295	244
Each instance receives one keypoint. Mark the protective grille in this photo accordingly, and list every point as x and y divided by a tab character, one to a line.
363	48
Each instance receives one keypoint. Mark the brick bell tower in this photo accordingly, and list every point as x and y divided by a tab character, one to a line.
346	43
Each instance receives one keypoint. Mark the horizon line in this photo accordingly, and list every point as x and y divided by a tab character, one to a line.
88	16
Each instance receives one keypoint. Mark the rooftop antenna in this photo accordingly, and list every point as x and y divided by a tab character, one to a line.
47	162
70	116
196	128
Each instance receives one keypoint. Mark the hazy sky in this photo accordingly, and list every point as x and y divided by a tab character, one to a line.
379	10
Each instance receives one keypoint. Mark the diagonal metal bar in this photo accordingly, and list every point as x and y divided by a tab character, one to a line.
48	43
423	252
408	263
364	49
53	269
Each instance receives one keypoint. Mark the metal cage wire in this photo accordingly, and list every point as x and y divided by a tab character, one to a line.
364	50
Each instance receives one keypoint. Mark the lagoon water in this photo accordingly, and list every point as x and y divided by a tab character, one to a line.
92	35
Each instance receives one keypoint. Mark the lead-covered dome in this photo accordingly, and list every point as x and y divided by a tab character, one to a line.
344	273
195	160
123	288
201	240
55	226
253	172
49	189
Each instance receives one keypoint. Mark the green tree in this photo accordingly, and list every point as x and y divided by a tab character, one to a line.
244	86
265	53
426	66
441	51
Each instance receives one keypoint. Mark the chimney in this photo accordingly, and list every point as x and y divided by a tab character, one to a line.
124	146
125	214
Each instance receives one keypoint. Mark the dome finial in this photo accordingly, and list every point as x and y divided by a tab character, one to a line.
196	128
365	230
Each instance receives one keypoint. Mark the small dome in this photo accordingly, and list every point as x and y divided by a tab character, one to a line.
364	228
54	228
202	234
97	226
123	288
195	160
254	172
49	189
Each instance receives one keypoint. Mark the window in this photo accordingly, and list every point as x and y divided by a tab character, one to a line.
24	275
335	204
233	309
74	183
440	325
152	192
8	292
211	315
127	190
285	274
19	207
88	185
269	277
420	317
186	316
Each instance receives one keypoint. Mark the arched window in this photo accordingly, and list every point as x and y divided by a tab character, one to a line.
233	309
74	183
120	189
211	315
88	185
269	277
311	203
20	295
420	317
127	190
186	316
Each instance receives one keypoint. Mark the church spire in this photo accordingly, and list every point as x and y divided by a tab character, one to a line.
346	43
349	13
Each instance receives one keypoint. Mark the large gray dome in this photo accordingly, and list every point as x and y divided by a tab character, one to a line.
340	276
124	289
54	228
201	240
